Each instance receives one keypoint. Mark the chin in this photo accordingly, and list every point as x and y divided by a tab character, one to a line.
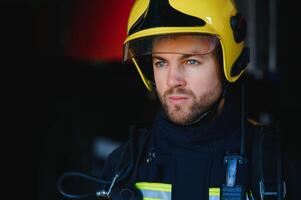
178	116
179	121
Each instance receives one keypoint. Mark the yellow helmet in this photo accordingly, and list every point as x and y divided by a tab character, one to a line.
220	18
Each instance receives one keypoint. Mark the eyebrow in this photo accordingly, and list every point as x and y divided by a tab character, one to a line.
184	56
189	55
158	57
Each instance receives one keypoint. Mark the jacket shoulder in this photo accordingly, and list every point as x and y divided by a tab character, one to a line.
266	160
124	155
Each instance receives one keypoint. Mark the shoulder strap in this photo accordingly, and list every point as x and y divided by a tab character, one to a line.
132	153
124	166
267	173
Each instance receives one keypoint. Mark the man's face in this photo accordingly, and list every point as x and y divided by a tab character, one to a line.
187	83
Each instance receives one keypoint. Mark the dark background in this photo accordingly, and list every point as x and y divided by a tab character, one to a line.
59	105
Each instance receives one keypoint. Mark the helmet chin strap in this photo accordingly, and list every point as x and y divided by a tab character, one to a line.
212	111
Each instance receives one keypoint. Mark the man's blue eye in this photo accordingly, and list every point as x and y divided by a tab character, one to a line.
192	62
159	63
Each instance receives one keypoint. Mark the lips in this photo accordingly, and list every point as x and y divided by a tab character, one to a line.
177	99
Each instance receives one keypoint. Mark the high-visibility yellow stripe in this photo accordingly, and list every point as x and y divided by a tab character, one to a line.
154	191
214	191
162	191
154	186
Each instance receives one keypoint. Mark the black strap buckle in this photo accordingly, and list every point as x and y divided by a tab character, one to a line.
231	191
264	193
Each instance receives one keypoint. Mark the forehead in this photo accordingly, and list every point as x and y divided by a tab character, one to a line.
184	44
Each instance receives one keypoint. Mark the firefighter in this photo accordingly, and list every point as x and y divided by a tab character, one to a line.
200	144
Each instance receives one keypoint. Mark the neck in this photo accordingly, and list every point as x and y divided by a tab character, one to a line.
224	122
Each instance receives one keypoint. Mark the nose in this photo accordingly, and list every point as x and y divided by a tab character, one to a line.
176	76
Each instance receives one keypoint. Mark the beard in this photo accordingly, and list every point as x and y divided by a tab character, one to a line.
186	113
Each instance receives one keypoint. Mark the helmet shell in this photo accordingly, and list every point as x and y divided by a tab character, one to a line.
219	17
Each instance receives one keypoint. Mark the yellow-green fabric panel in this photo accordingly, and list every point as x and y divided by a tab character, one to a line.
154	186
154	191
214	194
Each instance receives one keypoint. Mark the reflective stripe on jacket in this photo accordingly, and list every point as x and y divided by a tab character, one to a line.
162	191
